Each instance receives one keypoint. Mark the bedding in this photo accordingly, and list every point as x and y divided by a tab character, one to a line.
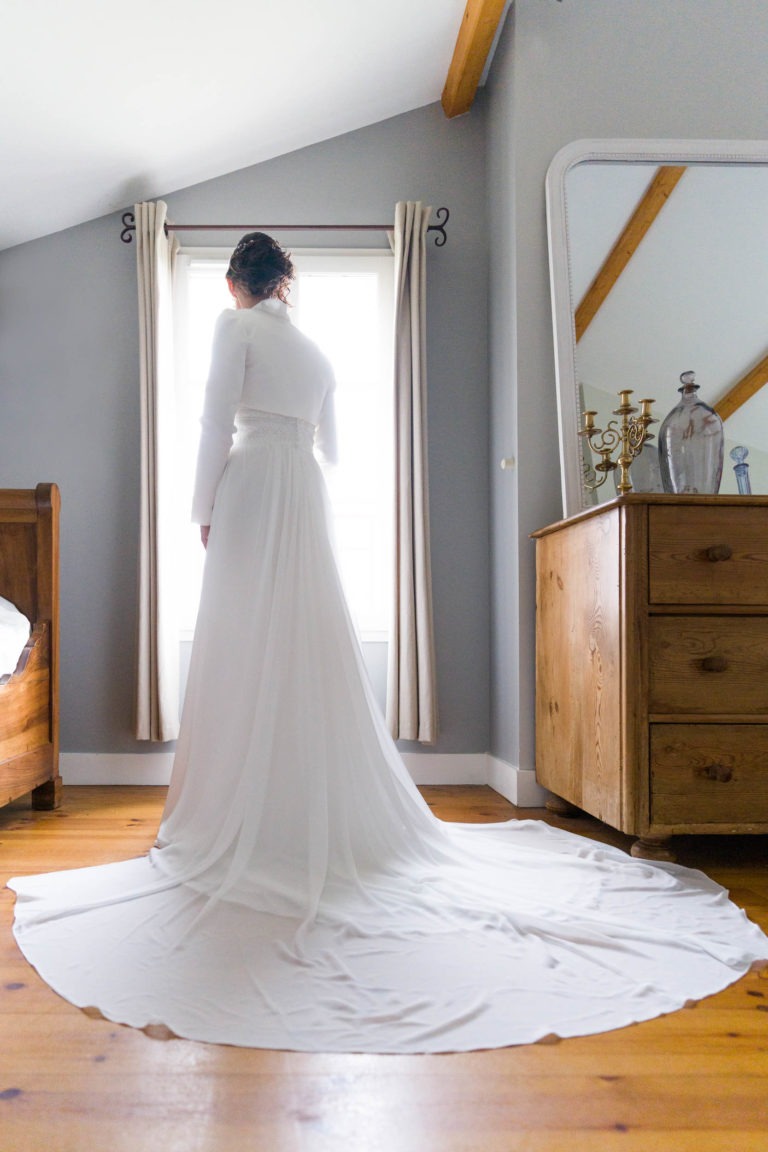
14	633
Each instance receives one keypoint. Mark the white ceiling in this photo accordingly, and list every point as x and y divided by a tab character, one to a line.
103	104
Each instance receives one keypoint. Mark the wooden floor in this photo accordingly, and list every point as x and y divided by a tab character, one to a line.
695	1081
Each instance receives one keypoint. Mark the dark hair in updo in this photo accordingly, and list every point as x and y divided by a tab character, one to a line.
261	266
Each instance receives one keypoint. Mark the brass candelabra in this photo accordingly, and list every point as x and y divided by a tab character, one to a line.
628	436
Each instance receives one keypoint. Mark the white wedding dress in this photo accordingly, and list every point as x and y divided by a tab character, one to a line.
301	894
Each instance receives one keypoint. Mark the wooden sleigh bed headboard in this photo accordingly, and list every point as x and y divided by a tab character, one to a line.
29	699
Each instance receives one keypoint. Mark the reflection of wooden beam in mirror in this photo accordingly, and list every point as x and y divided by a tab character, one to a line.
650	204
478	28
743	390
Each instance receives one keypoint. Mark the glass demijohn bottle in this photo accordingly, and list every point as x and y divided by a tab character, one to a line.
691	443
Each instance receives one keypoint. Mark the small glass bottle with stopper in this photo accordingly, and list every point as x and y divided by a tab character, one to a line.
741	468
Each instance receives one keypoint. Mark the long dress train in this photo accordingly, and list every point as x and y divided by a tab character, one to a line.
301	894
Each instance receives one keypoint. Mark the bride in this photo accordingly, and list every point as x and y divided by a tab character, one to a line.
301	895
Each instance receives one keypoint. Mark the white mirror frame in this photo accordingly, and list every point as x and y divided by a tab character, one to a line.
563	307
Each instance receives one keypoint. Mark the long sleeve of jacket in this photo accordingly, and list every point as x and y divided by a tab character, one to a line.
326	446
222	397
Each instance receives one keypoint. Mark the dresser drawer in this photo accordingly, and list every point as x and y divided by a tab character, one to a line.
709	774
717	556
712	665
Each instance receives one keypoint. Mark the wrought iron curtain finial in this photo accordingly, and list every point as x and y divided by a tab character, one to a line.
442	220
129	227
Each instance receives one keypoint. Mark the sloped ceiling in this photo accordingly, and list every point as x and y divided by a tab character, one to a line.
104	104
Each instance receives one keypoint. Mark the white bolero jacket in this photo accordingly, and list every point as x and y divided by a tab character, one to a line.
259	360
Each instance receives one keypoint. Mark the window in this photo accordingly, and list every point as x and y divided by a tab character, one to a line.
344	301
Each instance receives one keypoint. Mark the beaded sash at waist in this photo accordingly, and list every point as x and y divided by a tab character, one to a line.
274	428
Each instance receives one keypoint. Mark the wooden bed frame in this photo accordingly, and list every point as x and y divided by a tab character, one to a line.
29	699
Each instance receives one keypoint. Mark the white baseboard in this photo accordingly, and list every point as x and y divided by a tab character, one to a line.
517	785
116	767
447	767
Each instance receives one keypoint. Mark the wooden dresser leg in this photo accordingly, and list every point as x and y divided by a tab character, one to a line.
653	848
559	807
48	795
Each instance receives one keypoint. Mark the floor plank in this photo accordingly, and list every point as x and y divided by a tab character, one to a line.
694	1081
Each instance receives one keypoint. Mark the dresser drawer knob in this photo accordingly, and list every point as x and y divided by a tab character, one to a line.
719	552
718	772
714	664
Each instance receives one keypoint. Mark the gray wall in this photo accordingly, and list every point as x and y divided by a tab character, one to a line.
68	384
567	71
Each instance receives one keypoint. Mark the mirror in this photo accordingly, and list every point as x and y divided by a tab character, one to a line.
659	266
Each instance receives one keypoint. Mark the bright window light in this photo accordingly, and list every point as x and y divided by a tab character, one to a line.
344	301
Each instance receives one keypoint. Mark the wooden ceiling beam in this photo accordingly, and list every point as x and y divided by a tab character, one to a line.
650	204
476	35
743	390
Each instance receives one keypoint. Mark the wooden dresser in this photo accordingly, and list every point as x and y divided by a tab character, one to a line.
652	665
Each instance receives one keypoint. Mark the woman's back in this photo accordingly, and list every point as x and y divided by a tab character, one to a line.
284	371
259	363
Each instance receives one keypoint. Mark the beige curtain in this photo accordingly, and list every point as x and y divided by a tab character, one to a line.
157	689
411	689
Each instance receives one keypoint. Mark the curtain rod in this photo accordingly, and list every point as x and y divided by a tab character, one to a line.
129	227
